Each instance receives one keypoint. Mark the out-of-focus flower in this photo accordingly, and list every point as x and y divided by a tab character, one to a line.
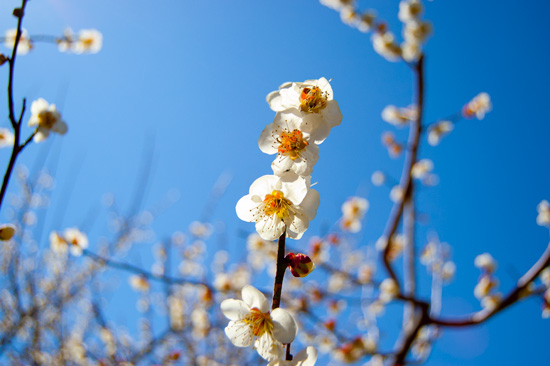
394	148
422	168
485	262
416	32
376	360
251	323
543	218
399	116
438	131
6	231
46	118
295	149
491	301
306	357
378	178
409	10
448	271
89	41
200	230
260	252
388	290
353	211
25	43
397	193
367	21
6	138
337	4
411	51
354	350
397	243
139	283
350	16
77	241
312	101
478	106
277	204
299	264
484	286
72	239
365	273
384	44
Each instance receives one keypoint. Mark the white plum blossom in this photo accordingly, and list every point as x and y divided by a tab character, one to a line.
384	44
306	357
478	106
378	178
353	211
399	116
411	51
337	4
485	262
296	150
417	31
438	131
409	10
388	290
312	101
543	218
350	16
277	204
422	168
6	138
397	194
72	239
89	41
367	21
251	323
24	45
46	118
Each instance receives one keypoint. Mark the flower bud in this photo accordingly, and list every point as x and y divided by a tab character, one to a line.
299	264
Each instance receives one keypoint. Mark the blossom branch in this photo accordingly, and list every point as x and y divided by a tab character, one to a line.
280	273
406	178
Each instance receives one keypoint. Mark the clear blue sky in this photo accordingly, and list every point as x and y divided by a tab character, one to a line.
188	79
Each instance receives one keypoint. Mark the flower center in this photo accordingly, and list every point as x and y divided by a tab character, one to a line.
312	100
277	204
291	143
87	42
46	119
259	322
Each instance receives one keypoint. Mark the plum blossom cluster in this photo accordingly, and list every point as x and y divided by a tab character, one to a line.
281	205
71	239
478	106
284	202
485	289
85	41
415	30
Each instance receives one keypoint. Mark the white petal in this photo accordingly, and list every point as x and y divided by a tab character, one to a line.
270	227
294	187
267	347
255	299
60	127
267	141
311	203
239	333
306	357
285	327
264	185
234	309
332	113
246	207
41	134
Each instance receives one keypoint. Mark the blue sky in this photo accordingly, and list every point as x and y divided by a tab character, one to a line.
187	80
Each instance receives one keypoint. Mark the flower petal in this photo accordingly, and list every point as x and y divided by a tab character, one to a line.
255	299
285	327
234	309
239	333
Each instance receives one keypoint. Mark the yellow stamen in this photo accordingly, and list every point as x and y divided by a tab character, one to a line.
291	143
312	100
259	322
277	204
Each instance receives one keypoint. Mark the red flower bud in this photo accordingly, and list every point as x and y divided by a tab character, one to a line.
299	264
